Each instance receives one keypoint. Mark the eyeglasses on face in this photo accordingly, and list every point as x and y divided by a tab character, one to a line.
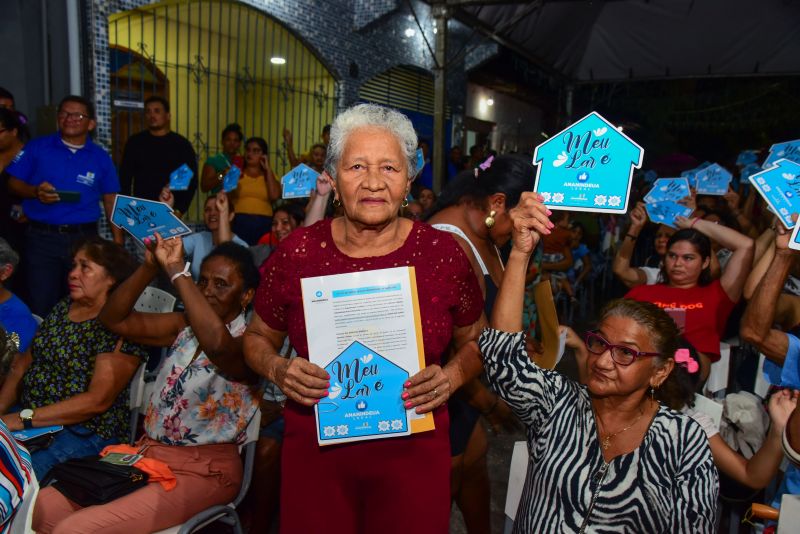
72	115
621	354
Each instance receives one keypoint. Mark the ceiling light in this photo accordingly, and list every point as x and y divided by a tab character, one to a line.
278	60
410	32
490	102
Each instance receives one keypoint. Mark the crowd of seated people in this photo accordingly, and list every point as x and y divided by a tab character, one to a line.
620	430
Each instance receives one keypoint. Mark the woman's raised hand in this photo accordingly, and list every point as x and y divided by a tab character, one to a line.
685	222
782	234
167	251
324	183
167	197
638	216
221	201
690	201
530	220
780	407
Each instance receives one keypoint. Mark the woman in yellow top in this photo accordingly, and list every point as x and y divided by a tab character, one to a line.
257	189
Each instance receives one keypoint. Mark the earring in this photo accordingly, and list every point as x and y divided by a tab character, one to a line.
489	221
404	203
336	202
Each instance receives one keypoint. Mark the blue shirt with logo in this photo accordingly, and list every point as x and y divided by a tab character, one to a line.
89	171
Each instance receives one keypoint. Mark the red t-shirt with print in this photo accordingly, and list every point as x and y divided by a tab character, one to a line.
707	310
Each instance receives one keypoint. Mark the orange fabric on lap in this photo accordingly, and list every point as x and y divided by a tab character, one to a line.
157	470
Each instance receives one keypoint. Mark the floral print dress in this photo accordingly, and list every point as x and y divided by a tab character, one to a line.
64	354
194	403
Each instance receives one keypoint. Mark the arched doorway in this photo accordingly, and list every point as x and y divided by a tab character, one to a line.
218	62
133	80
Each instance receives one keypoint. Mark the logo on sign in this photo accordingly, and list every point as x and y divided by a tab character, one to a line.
583	176
86	179
318	294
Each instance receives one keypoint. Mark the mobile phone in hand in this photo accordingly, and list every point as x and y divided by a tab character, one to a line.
68	196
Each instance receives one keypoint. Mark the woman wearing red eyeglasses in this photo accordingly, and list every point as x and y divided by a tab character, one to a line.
604	456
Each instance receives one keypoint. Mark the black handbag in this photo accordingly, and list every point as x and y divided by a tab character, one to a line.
88	481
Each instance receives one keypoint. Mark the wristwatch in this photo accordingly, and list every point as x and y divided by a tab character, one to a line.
26	416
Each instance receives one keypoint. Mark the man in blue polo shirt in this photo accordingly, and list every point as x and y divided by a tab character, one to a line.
62	179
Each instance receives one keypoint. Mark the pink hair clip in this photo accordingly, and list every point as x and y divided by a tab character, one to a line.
485	165
683	357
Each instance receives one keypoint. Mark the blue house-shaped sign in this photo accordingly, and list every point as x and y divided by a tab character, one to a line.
299	182
587	167
142	218
712	180
364	400
780	187
787	150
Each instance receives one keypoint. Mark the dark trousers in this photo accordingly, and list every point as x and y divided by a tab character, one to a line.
251	227
48	262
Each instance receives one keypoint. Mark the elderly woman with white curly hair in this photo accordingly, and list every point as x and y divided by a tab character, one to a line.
399	484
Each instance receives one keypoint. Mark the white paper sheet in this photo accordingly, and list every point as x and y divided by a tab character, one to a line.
761	386
377	308
516	477
718	377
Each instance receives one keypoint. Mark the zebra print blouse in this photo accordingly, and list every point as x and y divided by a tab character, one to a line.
669	484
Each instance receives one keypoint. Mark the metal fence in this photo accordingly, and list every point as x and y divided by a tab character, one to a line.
217	62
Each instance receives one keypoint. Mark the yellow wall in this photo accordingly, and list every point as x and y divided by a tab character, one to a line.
230	39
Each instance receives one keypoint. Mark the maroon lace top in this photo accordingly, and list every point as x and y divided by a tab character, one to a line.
449	294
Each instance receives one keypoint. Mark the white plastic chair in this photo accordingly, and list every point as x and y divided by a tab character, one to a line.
136	401
154	300
516	482
226	513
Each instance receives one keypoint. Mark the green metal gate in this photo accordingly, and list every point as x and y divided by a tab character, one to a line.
217	62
